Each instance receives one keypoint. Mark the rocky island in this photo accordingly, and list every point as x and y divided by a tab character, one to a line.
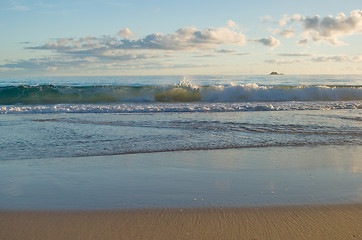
276	73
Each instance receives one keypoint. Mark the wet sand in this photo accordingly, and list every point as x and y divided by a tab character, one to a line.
283	222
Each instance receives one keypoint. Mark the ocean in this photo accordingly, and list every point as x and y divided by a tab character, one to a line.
153	141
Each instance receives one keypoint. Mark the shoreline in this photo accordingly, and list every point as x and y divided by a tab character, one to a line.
339	221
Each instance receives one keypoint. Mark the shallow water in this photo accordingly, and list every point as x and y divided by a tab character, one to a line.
75	135
217	178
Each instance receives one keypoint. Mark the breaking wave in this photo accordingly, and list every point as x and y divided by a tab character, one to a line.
52	94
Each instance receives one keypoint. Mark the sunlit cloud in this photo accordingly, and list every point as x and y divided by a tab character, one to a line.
126	33
327	29
231	24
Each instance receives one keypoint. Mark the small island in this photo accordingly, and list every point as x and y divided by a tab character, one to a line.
276	73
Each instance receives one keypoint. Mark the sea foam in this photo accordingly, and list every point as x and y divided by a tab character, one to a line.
179	107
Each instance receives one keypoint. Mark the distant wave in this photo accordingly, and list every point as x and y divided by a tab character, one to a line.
52	94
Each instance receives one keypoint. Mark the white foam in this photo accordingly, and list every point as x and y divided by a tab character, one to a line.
179	107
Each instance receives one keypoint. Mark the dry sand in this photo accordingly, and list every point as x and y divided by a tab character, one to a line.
302	222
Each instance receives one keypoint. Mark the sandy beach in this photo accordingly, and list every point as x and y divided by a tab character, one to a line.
300	222
281	192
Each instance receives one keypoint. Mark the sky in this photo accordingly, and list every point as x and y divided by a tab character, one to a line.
198	37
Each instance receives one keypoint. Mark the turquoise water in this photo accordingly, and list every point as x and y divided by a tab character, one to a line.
103	91
68	142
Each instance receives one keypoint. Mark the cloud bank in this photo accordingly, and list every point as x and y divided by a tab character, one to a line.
123	48
184	39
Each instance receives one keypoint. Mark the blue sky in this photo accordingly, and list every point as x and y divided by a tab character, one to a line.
111	37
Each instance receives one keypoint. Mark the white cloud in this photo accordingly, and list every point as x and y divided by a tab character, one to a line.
126	33
231	24
327	29
190	38
270	42
284	20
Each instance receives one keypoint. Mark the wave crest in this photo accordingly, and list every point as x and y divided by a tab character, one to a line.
51	94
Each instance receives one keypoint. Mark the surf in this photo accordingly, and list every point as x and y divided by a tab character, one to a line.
66	94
